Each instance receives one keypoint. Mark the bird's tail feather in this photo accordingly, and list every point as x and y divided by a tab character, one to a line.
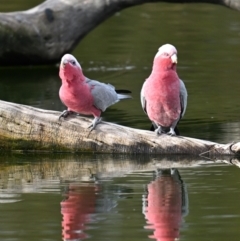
123	91
122	97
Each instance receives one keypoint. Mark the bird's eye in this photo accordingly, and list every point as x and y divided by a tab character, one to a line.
73	62
166	54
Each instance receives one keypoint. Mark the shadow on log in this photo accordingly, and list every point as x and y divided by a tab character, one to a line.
31	129
41	35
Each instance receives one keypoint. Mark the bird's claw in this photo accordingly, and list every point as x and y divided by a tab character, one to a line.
95	122
158	131
171	132
64	114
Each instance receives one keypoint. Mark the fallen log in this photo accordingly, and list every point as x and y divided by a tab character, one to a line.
31	129
41	35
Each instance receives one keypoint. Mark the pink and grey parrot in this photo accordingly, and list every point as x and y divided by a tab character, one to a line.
163	94
83	95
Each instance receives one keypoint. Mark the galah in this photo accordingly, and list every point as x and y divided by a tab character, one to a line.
83	95
163	94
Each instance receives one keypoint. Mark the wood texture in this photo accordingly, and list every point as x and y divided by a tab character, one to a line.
28	128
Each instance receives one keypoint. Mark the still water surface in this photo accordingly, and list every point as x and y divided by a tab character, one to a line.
101	198
107	197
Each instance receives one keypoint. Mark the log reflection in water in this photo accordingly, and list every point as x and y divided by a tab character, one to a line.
29	176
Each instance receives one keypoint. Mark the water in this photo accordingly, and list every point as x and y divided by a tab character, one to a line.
106	197
98	197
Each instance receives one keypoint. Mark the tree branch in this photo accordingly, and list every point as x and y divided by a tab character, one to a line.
43	34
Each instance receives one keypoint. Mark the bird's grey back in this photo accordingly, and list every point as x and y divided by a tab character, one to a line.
104	95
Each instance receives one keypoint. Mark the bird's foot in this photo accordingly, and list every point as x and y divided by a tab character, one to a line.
171	132
64	114
158	131
95	121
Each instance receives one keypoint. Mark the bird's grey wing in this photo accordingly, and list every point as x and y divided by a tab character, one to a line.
104	95
143	100
183	98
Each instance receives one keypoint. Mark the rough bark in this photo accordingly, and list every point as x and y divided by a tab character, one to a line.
43	34
28	128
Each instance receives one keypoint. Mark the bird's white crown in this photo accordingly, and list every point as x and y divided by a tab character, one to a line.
68	58
166	48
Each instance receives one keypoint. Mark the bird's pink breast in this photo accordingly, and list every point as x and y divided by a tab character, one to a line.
162	93
78	98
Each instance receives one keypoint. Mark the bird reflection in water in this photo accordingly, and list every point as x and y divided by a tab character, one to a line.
164	205
76	210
